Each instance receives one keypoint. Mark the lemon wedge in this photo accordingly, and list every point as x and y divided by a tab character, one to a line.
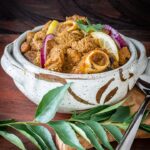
107	43
52	27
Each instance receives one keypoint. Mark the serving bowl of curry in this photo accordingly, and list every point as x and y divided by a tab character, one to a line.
102	64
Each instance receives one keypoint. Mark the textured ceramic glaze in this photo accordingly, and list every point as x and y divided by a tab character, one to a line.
87	90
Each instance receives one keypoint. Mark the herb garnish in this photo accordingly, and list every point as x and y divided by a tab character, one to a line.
92	124
89	27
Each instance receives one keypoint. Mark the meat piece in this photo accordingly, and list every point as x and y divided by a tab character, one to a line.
30	36
25	47
37	41
113	62
76	17
55	59
86	44
40	35
67	67
66	38
77	34
50	45
36	45
31	55
37	60
73	56
92	62
124	55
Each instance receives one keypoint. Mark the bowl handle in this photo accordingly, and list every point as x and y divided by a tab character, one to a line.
11	66
143	59
147	70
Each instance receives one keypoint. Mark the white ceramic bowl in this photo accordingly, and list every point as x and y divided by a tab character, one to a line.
87	90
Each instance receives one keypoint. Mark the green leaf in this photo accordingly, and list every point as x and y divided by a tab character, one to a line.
13	139
50	103
89	27
80	132
122	126
110	108
91	135
87	114
100	132
83	27
98	26
28	133
102	117
38	138
130	118
88	21
145	127
45	135
66	134
121	114
6	121
147	112
114	131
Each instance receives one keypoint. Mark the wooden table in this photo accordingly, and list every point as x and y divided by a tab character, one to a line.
131	18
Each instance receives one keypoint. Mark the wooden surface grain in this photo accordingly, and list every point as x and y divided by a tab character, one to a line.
131	18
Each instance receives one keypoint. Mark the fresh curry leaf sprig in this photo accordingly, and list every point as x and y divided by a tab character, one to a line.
93	125
50	103
88	27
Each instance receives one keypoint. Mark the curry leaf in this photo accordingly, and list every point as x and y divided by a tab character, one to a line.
24	129
110	108
147	112
50	103
100	132
91	135
80	132
114	131
13	139
87	114
7	121
145	127
66	134
121	114
103	116
87	124
45	135
130	117
38	138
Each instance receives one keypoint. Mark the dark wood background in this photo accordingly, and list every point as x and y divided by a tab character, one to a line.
130	17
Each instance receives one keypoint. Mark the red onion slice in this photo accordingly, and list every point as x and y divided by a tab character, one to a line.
116	36
43	51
